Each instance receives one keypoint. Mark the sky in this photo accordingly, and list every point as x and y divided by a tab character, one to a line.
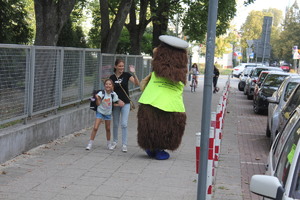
242	11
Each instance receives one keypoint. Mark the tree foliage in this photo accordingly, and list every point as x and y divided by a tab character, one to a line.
14	27
252	28
195	20
289	37
72	34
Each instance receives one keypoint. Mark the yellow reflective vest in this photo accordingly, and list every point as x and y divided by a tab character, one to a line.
163	94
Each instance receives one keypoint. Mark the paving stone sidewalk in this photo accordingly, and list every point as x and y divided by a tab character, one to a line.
63	169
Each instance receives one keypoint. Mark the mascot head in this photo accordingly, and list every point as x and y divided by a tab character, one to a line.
170	59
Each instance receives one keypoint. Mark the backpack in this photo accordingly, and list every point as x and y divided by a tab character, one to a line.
93	105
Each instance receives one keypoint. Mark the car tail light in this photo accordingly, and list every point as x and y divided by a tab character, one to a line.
236	69
254	80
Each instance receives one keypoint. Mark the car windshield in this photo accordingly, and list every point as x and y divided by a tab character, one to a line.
247	70
289	89
257	71
262	77
274	80
293	102
250	66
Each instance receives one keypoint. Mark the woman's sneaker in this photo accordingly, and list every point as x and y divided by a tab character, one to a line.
124	148
89	146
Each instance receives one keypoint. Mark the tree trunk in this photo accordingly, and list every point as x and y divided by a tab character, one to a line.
110	37
136	31
51	15
160	19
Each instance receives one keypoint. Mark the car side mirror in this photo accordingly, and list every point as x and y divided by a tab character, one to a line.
266	186
272	100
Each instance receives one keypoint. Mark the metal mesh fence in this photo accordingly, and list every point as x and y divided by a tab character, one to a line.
71	74
35	79
45	80
13	83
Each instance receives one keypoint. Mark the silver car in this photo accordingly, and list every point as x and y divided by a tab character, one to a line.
243	78
282	179
251	80
276	103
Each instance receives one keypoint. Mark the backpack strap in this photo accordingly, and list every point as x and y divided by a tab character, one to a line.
103	92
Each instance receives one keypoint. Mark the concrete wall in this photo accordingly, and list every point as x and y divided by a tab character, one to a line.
20	138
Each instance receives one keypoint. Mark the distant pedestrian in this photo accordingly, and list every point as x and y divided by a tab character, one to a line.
215	79
105	101
195	72
121	80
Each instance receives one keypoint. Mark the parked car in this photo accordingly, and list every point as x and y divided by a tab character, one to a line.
285	67
243	78
237	71
259	81
276	103
282	179
271	83
292	103
251	80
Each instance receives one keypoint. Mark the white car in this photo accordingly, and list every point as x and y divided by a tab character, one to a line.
282	179
237	71
276	103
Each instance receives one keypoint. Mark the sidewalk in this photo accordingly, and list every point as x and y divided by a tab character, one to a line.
63	169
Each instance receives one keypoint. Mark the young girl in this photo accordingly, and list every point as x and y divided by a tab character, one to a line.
195	72
104	102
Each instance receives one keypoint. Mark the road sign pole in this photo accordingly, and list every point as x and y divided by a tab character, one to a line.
207	97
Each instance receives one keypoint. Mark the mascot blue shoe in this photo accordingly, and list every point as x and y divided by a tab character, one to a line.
162	155
150	153
158	154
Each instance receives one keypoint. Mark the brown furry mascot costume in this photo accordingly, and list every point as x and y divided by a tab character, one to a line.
161	114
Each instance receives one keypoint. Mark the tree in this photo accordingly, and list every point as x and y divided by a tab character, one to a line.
252	28
72	34
195	21
289	37
161	13
14	28
51	16
136	31
111	34
223	45
94	33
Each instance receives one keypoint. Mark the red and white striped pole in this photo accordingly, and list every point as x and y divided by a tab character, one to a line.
198	141
210	163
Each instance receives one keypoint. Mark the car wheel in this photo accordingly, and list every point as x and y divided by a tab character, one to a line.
255	108
240	86
268	132
249	97
245	91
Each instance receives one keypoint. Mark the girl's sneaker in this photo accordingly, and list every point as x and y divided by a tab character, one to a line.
113	145
89	146
109	146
